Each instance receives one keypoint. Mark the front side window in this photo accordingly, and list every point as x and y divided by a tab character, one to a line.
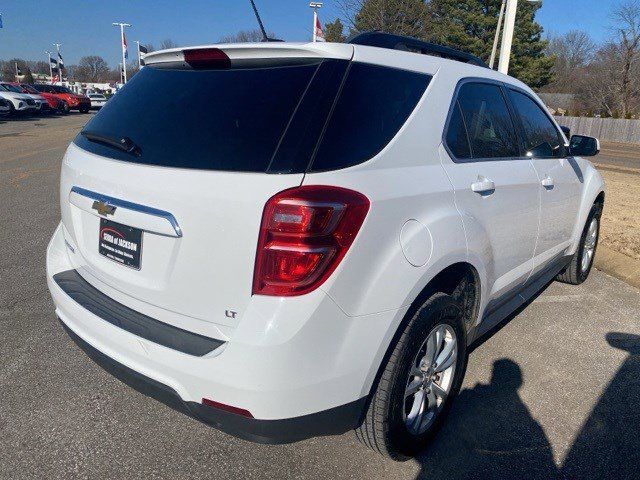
488	123
541	138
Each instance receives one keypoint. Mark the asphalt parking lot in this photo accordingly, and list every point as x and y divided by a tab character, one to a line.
619	155
554	393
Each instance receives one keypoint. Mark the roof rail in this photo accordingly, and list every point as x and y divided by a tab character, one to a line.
398	42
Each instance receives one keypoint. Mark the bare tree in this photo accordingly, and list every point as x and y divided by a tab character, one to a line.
572	52
91	68
245	36
626	19
167	43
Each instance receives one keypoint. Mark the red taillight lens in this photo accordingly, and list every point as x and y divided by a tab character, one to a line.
203	58
305	233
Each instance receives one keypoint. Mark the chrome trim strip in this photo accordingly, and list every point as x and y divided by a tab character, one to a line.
116	202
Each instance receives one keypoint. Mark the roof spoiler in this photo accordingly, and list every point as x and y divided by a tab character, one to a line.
398	42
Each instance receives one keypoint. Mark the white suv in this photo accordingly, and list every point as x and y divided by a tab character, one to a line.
293	240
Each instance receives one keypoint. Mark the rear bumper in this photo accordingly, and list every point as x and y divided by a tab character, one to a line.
330	422
301	369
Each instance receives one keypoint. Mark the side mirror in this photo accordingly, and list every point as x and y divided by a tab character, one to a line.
582	146
566	130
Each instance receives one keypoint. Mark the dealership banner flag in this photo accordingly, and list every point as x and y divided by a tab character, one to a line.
143	50
319	31
124	45
60	61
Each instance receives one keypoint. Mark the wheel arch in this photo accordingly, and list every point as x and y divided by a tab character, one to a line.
461	280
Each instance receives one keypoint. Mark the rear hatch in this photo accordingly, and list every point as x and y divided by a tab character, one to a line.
163	190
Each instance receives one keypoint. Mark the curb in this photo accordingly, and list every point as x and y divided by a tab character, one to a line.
618	265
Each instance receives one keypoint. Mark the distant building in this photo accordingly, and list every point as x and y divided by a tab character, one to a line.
558	103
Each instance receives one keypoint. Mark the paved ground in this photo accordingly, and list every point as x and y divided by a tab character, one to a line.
619	154
553	394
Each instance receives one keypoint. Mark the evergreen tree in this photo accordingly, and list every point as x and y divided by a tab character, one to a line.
470	25
28	77
334	31
402	17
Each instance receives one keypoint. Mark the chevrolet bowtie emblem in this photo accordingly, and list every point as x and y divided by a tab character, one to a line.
103	208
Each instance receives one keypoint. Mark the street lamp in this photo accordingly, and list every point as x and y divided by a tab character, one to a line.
122	45
315	6
48	53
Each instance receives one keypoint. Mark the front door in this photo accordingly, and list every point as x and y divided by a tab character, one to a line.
560	177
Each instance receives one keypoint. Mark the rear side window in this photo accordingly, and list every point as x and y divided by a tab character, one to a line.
541	137
488	122
374	103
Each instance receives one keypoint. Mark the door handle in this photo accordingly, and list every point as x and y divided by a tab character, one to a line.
547	182
483	185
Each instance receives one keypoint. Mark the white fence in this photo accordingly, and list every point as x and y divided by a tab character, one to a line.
611	129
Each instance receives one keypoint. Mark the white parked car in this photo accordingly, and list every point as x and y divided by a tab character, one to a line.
97	100
18	102
314	248
5	106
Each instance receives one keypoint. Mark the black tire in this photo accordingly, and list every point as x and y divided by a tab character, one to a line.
384	429
64	108
574	273
12	110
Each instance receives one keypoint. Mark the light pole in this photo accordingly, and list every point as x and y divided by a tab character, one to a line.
507	35
122	46
50	67
315	6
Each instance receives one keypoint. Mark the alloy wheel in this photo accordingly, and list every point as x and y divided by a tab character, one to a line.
430	379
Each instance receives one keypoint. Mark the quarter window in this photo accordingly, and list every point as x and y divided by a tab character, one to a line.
457	138
488	123
541	138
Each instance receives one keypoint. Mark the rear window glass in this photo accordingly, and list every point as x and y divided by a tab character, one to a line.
213	119
374	103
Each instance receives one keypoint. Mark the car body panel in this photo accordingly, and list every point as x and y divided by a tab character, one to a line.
285	357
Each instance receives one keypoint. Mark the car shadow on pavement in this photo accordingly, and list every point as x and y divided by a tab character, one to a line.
491	434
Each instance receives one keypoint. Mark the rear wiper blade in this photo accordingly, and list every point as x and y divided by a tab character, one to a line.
122	143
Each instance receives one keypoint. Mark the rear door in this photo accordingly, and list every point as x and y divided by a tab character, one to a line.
559	176
162	193
496	190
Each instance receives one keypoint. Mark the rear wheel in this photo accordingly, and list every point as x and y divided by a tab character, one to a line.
421	377
578	269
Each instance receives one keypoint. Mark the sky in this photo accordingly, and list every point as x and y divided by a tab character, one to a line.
83	27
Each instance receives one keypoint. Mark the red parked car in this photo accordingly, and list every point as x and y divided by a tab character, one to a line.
73	100
55	104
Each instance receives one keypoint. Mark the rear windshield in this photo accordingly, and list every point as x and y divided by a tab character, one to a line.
271	119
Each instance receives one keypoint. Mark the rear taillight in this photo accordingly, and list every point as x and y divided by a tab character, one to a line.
305	233
206	58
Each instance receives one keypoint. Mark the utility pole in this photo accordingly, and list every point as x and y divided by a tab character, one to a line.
507	36
315	6
122	46
50	67
497	35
